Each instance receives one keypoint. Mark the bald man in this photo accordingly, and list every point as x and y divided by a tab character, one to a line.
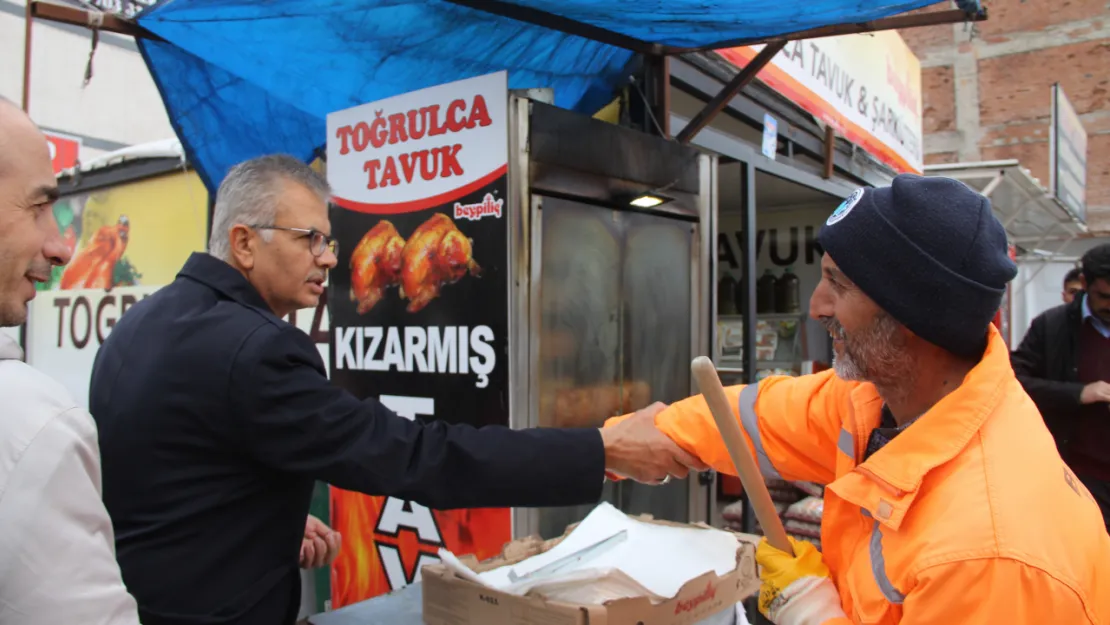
57	554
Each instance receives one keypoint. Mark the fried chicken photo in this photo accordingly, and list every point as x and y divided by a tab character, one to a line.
375	265
94	266
436	254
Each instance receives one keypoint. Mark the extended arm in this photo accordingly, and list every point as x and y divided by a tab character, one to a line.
297	421
792	426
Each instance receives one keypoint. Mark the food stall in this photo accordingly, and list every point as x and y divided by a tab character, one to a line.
567	246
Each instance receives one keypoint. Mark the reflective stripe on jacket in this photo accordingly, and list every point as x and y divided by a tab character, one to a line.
967	516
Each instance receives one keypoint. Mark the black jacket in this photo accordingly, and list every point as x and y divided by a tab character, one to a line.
216	418
1046	365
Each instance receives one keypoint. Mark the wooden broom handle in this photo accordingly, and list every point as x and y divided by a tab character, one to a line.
714	392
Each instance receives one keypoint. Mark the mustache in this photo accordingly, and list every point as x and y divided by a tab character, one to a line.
40	269
322	275
833	327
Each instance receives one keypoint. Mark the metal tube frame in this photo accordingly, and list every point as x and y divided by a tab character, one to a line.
523	290
28	21
703	331
748	210
589	31
748	309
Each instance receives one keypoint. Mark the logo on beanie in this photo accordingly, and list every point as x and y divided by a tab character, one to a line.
845	207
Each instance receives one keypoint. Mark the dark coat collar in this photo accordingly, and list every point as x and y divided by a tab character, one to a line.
222	277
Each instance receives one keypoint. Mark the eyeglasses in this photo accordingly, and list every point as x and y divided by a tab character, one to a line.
318	242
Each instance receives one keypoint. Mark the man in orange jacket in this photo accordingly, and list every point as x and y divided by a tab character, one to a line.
946	500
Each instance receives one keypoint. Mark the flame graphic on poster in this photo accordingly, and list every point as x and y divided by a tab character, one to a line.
385	541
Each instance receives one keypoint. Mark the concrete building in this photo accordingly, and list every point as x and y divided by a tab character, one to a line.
120	106
987	88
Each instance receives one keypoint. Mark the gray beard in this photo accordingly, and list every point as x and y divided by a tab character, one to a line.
873	355
847	369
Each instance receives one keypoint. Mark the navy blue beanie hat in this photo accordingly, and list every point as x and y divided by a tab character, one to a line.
929	252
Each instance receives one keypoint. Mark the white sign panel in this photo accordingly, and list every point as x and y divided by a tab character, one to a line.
416	150
1068	158
867	86
770	136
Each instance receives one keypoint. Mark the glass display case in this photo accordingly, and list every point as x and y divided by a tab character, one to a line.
611	281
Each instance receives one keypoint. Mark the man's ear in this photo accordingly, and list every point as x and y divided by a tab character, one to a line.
242	245
1083	281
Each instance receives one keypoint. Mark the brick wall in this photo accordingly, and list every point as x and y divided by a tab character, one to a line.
987	93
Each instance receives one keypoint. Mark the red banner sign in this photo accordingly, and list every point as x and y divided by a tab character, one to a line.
64	150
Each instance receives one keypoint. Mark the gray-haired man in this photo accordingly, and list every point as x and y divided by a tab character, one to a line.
216	418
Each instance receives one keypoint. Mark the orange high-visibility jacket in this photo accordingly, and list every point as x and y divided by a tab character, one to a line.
968	516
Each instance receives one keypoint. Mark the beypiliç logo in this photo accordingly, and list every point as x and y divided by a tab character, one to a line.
474	212
845	207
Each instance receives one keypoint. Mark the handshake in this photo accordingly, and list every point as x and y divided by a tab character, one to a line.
637	450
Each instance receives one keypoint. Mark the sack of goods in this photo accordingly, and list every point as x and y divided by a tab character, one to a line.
800	506
810	488
803	520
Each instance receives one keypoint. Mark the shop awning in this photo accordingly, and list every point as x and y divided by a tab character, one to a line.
241	78
1034	219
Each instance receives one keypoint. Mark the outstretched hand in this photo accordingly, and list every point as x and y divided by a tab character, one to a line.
636	449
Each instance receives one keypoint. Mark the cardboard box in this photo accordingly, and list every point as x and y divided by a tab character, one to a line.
450	600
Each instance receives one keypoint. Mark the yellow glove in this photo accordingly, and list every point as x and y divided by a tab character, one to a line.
796	590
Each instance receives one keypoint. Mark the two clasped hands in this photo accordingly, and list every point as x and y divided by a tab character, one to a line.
637	450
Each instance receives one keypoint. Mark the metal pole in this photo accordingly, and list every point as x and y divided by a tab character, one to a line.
748	310
27	21
1020	212
993	184
95	19
748	298
896	22
830	151
1029	280
665	96
729	91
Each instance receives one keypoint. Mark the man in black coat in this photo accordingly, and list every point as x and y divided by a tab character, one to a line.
1064	364
216	418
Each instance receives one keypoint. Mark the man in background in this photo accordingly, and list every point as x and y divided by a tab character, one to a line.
1064	364
1072	285
57	556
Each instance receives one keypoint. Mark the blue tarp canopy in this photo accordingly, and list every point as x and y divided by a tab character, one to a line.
241	78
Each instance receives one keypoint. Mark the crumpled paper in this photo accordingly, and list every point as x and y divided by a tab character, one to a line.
653	561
